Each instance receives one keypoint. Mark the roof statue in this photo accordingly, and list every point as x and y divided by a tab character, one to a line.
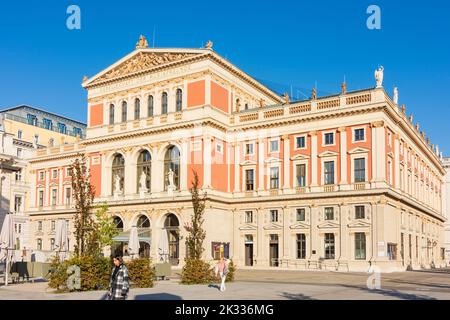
286	98
404	108
411	117
142	43
209	45
314	94
395	98
379	73
417	126
85	78
261	102
344	88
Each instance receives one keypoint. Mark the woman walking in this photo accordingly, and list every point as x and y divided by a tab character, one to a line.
222	271
119	284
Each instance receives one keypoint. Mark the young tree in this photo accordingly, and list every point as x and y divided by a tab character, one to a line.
195	270
104	227
83	196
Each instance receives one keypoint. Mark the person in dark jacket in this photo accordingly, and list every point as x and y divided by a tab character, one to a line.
119	284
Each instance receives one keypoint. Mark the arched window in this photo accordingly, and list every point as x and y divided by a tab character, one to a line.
144	165
143	222
172	167
164	103
118	172
150	106
171	225
179	100
137	109
124	111
118	223
238	104
111	114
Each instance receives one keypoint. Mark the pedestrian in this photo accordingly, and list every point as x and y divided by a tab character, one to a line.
222	271
119	284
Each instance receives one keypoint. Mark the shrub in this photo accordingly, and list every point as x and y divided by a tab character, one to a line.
196	271
231	270
94	273
141	272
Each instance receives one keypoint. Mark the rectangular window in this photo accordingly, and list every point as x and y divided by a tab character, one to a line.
359	134
41	198
77	132
53	225
329	245
301	246
274	146
32	119
273	215
19	153
39	244
19	175
329	172
249	180
19	134
301	175
360	170
62	128
41	175
360	246
274	177
52	244
329	138
68	172
301	214
68	195
249	148
54	196
360	212
300	142
48	124
248	216
39	225
54	173
17	204
392	251
329	213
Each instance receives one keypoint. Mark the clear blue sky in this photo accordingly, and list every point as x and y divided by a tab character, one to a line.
281	42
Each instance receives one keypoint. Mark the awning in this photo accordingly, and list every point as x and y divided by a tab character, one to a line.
143	235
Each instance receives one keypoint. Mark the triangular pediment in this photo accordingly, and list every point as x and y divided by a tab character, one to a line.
299	226
248	163
142	60
273	226
328	224
328	154
300	157
248	227
358	150
358	224
273	159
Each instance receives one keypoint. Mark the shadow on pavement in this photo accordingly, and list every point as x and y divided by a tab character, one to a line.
425	284
392	293
215	286
295	296
157	296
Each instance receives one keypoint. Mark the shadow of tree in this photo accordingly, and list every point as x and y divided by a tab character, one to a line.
295	296
425	284
157	296
392	293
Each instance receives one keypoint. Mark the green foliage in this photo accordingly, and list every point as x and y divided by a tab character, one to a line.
104	227
231	270
196	271
94	272
141	272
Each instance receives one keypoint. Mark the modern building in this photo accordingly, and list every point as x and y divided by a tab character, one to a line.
23	130
342	182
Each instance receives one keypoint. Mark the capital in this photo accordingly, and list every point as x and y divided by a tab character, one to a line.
377	124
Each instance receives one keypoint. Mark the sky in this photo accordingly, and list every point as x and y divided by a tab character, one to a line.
285	44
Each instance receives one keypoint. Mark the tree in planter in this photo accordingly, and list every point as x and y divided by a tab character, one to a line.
195	270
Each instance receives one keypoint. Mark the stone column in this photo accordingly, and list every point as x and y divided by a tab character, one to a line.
207	157
237	167
314	233
184	166
208	89
286	162
314	171
261	167
286	233
378	154
128	173
157	181
343	154
260	254
397	160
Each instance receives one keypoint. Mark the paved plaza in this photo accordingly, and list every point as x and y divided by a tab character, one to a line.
269	285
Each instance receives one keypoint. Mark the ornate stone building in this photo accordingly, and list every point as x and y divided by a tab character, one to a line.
339	182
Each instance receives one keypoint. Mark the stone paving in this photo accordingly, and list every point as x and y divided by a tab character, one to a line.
269	285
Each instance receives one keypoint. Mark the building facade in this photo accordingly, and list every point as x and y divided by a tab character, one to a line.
343	182
446	210
23	130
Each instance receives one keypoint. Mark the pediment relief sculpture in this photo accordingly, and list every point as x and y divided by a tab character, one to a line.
273	226
143	61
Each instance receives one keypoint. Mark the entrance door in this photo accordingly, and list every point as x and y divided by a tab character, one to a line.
249	254
274	254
